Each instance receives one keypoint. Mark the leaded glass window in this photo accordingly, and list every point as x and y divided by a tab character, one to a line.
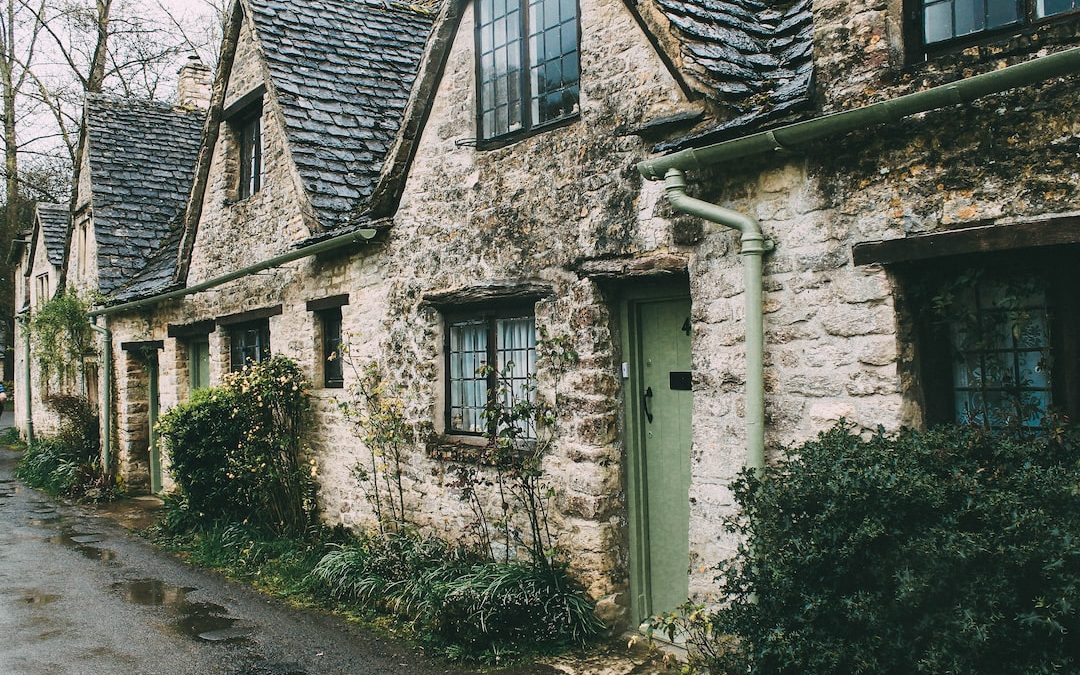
1001	348
527	67
249	343
507	340
249	134
945	21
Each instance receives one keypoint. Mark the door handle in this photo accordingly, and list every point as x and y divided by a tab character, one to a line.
645	400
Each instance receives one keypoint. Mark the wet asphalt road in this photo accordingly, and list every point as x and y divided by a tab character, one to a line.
79	594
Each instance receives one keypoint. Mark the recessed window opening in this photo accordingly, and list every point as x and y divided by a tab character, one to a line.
507	341
249	343
333	371
248	128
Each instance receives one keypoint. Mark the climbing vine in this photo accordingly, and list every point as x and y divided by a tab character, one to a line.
61	334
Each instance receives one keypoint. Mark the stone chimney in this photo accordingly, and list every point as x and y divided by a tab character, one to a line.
196	82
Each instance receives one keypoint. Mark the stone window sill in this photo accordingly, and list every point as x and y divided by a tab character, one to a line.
462	449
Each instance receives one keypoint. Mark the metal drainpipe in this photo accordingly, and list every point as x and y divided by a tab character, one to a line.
754	246
106	400
670	168
27	395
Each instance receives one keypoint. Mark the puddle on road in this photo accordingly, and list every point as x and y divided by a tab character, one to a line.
204	621
39	598
81	542
138	513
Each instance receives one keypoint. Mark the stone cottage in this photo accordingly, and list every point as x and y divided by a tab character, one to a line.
39	257
443	187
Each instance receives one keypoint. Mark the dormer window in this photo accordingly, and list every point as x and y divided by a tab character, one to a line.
527	68
945	23
248	128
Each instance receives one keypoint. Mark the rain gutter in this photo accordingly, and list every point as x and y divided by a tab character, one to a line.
106	400
331	244
28	398
671	169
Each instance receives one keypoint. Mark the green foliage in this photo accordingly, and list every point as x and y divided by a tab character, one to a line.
948	551
236	451
459	598
68	463
281	566
50	465
378	419
61	333
10	436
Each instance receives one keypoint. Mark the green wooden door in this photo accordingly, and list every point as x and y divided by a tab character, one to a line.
199	364
659	412
152	419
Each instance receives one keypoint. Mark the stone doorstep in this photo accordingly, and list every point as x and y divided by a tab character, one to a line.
628	654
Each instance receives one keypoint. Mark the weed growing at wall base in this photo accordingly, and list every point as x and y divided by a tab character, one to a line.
68	463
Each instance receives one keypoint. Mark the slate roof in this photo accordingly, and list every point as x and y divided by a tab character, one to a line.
753	58
54	219
142	164
156	276
342	70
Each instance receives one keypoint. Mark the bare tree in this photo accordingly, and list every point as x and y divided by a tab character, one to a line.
53	53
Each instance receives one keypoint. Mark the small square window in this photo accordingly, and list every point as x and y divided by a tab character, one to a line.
333	373
248	129
249	343
505	339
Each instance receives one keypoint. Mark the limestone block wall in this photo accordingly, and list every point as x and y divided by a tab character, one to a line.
45	420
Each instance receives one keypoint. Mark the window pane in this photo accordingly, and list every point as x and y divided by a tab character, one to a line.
1001	345
937	22
333	372
1001	13
468	386
499	52
553	54
969	16
1051	7
516	349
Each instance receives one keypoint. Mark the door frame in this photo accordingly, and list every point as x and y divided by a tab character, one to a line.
634	434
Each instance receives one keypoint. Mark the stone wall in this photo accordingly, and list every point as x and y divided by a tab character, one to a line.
45	419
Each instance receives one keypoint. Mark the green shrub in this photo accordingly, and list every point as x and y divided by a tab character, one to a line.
203	436
948	551
478	608
236	451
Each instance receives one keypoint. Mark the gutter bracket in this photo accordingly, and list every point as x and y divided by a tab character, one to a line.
778	147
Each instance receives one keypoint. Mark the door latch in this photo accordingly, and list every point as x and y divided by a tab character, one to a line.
645	399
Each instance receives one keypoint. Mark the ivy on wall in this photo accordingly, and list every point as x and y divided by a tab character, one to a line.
61	334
